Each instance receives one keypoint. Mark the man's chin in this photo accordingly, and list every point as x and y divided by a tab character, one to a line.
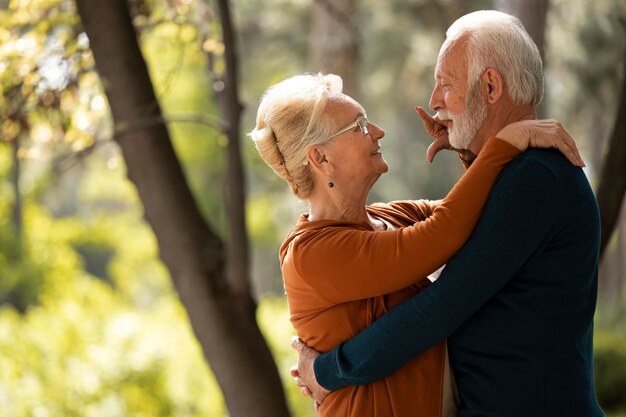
458	143
455	142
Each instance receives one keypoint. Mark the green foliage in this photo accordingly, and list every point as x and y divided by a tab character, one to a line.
21	280
42	64
31	261
273	318
93	349
88	354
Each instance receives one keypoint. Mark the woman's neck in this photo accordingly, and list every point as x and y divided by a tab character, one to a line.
330	209
354	211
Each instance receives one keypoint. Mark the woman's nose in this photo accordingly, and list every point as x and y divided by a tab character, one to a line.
376	132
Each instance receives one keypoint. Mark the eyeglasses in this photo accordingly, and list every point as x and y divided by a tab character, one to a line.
361	122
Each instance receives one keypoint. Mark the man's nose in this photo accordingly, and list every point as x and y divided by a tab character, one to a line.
436	98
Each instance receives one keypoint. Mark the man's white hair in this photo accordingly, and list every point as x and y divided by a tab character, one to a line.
499	40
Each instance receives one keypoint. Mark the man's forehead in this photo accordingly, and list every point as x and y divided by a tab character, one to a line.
452	58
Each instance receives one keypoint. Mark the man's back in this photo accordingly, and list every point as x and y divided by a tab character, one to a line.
528	350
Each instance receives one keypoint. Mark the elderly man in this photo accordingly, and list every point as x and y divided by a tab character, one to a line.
516	303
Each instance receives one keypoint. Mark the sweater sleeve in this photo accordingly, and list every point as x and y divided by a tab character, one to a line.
347	264
518	220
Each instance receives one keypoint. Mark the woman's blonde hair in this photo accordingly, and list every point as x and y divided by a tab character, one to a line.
291	118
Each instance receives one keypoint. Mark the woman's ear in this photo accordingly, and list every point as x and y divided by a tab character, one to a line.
493	85
316	154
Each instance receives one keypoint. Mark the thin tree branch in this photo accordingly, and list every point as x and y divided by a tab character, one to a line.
238	249
67	162
206	120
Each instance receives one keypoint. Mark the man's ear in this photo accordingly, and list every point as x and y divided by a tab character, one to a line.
492	85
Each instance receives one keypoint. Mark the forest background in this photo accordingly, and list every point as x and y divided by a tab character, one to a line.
139	229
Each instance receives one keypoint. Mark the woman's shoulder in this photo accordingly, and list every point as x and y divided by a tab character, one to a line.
316	234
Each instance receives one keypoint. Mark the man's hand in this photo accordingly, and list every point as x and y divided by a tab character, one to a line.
303	373
438	129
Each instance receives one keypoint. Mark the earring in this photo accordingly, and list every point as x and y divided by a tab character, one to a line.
331	184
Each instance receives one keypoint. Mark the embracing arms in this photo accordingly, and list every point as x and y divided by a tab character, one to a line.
525	205
410	253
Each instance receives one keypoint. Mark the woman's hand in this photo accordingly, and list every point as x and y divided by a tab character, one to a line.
303	373
438	129
546	133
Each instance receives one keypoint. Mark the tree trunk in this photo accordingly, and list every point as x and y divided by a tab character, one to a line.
612	185
222	318
334	41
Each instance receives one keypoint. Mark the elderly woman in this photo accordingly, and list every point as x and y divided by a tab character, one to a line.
346	263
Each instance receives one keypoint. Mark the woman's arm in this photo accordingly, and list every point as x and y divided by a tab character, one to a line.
345	264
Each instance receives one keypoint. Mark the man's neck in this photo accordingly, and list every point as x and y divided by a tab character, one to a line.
497	118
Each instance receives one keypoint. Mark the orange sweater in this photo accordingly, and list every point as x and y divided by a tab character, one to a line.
339	277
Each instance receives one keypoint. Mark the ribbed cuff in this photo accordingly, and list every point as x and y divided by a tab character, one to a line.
327	372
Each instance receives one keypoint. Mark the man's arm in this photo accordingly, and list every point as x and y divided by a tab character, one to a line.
517	222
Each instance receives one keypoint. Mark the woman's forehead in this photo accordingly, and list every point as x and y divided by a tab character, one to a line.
339	102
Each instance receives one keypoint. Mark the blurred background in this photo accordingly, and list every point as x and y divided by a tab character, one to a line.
93	322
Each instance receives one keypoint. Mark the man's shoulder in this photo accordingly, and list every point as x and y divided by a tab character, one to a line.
541	164
547	172
549	157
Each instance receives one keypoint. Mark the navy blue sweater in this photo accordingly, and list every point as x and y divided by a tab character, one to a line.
516	303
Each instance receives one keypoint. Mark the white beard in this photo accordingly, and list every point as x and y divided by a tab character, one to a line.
465	125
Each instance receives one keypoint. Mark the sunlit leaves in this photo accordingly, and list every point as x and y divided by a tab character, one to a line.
42	60
10	129
273	318
87	354
93	347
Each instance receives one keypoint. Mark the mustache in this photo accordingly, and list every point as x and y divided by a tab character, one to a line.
444	115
